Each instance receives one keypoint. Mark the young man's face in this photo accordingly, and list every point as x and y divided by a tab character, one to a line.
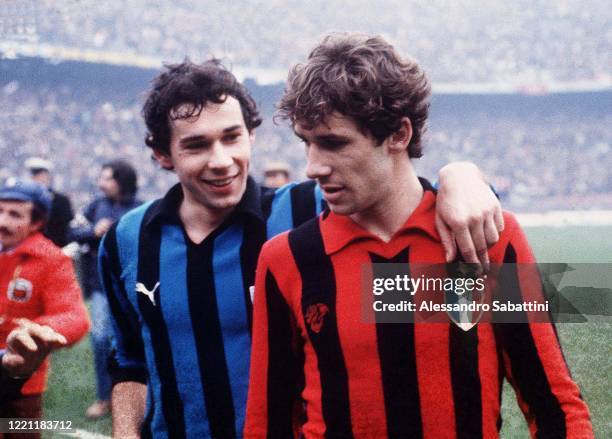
352	170
210	155
108	185
16	222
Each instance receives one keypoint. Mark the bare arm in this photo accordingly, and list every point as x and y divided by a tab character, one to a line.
128	407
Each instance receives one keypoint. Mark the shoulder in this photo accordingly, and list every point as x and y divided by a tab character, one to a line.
126	232
44	251
138	214
275	249
61	196
292	191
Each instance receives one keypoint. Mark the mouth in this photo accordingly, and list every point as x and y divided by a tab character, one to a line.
332	192
332	188
220	182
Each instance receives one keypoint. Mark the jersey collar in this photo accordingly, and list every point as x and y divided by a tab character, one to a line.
167	210
340	231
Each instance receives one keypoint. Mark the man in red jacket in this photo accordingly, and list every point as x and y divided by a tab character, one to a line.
37	284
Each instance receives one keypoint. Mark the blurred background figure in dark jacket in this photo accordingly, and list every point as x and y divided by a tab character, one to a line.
118	184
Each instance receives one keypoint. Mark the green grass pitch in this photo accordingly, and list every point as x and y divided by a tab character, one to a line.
586	347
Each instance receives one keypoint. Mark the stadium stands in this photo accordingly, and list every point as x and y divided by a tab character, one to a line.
523	42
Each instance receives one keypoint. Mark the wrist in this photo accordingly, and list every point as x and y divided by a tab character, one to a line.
456	174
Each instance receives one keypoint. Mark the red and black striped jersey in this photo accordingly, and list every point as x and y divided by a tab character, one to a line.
315	363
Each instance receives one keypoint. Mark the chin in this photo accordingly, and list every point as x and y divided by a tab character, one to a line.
225	203
340	209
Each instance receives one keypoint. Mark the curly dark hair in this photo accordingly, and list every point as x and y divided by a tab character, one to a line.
362	77
191	87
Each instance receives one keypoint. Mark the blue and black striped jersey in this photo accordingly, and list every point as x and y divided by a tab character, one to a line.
182	311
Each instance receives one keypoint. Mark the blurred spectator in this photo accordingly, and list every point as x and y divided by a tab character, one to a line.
276	174
551	155
39	282
529	42
118	184
61	212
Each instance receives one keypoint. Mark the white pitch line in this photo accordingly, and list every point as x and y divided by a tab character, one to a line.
84	434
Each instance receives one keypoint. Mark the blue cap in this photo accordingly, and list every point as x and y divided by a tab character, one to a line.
26	190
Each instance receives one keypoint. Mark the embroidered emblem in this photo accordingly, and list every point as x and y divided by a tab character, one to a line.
315	315
19	290
465	320
140	288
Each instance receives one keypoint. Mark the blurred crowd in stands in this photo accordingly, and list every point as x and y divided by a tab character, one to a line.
521	41
536	161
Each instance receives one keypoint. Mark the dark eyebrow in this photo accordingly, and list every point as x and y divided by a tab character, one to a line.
198	138
232	128
332	138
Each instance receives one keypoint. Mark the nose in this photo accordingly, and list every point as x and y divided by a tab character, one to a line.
315	166
4	219
220	157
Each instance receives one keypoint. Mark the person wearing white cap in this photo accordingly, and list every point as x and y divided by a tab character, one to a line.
61	212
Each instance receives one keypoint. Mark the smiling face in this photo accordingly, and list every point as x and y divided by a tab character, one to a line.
16	222
355	173
210	154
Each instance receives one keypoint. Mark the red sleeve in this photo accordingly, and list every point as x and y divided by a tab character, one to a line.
533	359
64	310
274	385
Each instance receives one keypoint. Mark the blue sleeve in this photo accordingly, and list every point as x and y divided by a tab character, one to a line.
293	205
127	362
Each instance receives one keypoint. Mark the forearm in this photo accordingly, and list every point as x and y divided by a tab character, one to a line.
9	387
128	408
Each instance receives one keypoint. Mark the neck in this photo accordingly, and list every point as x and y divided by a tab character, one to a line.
199	220
390	213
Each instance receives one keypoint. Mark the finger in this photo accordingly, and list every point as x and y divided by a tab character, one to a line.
465	246
42	334
20	341
498	216
48	336
24	323
480	244
490	231
11	360
447	238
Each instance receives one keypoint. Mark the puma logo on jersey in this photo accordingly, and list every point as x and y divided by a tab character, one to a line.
140	288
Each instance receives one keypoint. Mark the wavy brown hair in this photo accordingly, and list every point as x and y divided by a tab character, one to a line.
362	77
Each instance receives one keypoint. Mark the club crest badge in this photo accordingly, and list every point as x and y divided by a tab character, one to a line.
19	290
465	319
315	316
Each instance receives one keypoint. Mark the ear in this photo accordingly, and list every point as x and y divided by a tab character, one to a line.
399	140
163	159
37	226
252	136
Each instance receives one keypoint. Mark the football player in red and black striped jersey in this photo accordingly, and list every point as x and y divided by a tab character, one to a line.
317	368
